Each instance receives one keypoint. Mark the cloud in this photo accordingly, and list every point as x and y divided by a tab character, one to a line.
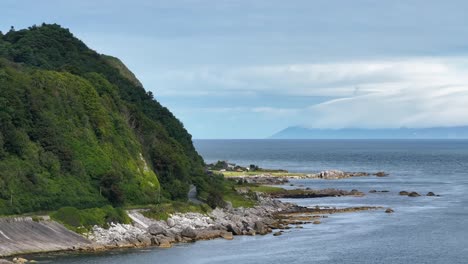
388	93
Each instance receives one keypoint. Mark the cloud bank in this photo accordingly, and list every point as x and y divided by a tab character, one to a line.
421	92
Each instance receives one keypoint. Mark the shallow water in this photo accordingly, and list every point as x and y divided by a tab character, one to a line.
422	229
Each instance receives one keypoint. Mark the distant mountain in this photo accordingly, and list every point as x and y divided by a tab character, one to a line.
361	133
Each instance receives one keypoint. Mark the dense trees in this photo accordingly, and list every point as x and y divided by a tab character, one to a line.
78	129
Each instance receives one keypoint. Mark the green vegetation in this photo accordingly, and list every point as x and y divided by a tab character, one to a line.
82	220
78	129
163	211
237	199
265	189
273	173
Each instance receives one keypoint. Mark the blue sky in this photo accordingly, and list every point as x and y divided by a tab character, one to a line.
247	69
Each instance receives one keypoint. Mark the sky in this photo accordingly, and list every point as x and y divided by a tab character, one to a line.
248	69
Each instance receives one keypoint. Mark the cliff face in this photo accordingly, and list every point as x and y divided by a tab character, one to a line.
78	129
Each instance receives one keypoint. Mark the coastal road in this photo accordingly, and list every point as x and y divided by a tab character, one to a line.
192	195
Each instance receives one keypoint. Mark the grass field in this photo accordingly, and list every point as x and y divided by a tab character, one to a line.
228	174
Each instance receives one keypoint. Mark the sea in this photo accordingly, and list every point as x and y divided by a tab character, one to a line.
421	230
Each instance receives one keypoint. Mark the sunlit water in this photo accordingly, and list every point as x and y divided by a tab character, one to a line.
422	229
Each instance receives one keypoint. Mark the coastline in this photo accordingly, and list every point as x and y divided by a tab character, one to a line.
269	216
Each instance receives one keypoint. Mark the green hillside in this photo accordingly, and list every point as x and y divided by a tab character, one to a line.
78	129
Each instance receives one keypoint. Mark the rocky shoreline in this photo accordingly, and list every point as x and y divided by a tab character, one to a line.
189	227
270	215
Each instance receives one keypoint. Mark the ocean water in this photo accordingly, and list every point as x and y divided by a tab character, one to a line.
422	229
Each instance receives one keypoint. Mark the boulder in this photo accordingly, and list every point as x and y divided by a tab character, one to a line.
373	191
164	243
234	229
403	193
279	233
430	194
316	222
170	222
260	228
227	235
4	261
389	211
156	229
189	232
208	234
19	260
144	240
414	194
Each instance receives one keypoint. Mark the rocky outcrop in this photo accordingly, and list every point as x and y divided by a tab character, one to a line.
389	211
413	194
298	193
337	174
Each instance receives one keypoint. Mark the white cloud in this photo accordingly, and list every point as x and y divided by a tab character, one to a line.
389	93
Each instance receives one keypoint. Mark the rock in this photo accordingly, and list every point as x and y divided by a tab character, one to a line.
381	174
19	260
372	191
260	228
170	222
385	191
279	233
404	193
316	222
332	174
156	229
389	211
4	261
234	229
164	243
430	194
228	206
189	232
208	234
144	240
414	194
227	235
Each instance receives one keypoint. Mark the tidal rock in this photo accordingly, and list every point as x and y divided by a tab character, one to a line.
414	194
389	211
380	174
164	243
404	193
227	235
430	194
316	222
208	234
260	228
19	260
234	229
279	233
372	191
